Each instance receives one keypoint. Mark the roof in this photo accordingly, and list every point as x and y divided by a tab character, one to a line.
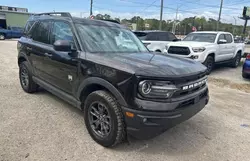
67	17
148	31
212	32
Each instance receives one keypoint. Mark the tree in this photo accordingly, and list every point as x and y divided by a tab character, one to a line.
184	26
118	20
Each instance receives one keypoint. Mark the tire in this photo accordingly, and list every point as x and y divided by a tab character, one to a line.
236	61
159	51
2	36
110	107
25	78
209	63
244	75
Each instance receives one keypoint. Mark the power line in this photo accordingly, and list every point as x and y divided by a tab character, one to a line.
207	5
158	6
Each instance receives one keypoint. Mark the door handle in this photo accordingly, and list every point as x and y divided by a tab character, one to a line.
48	55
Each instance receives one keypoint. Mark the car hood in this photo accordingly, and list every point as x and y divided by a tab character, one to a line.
190	43
150	64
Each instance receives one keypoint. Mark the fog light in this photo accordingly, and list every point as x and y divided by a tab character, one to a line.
129	114
194	57
144	120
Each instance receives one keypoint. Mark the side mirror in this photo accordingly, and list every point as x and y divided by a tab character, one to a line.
222	41
62	45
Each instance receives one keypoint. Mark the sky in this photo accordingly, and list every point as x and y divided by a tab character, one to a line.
232	9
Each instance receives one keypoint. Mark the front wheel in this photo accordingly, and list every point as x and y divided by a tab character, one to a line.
2	36
104	119
209	63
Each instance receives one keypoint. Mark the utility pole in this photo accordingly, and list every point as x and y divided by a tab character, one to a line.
160	27
234	25
221	4
174	26
91	5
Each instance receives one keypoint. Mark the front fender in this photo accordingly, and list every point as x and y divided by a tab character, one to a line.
95	80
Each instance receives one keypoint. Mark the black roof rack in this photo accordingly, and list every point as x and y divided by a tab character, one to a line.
62	14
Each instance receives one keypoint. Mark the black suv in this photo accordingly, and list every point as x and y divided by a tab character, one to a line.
105	70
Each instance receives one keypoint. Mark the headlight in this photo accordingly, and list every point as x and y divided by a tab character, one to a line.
156	89
200	49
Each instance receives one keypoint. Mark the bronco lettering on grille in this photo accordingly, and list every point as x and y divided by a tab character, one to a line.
194	85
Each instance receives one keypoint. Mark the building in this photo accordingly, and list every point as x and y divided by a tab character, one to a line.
13	16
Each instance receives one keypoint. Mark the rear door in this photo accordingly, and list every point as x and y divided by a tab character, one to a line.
230	46
223	49
38	46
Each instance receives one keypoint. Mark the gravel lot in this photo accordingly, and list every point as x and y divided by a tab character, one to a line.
42	127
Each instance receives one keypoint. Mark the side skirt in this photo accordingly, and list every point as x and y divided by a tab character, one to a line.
57	92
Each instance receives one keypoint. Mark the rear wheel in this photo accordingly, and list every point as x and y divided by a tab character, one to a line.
2	36
209	63
236	61
104	119
26	80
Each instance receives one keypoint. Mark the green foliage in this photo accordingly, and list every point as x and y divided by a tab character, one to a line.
182	27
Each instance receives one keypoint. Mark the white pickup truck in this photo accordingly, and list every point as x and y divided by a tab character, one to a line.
208	48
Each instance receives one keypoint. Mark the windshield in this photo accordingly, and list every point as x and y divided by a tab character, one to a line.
106	39
201	37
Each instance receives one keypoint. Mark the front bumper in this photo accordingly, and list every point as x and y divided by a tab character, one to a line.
148	124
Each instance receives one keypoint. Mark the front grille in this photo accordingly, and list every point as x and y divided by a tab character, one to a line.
182	92
178	50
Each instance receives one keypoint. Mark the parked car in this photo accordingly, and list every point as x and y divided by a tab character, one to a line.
246	67
123	90
208	48
156	40
11	32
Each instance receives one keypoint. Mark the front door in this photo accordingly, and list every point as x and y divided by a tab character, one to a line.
60	66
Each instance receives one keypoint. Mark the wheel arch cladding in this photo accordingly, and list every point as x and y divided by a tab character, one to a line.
211	54
21	59
92	84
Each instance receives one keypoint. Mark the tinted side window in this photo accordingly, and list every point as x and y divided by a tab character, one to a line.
222	36
141	35
41	34
62	31
152	36
163	36
229	38
171	37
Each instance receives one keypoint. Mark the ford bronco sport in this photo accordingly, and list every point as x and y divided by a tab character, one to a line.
105	70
